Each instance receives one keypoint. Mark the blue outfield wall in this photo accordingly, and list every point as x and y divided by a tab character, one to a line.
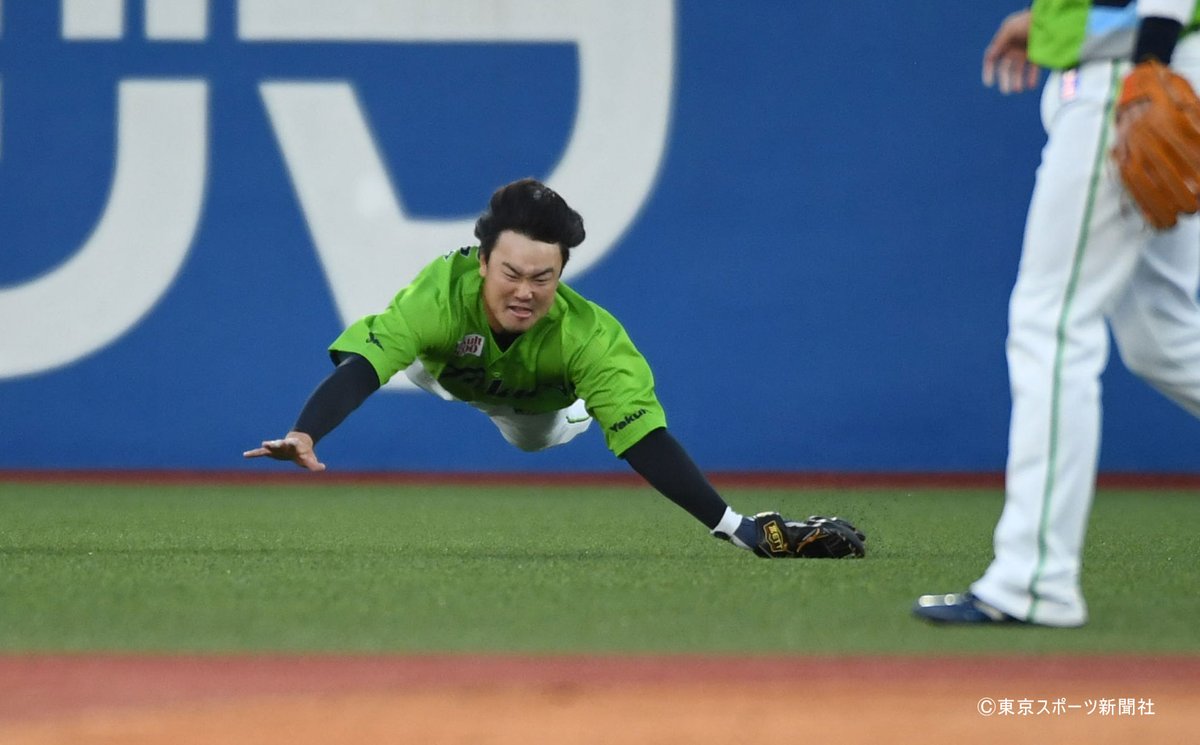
807	215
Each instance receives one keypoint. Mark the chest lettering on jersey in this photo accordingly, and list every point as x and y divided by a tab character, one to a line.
474	377
469	376
496	388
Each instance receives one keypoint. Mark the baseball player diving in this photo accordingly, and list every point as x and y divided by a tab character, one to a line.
492	326
1111	242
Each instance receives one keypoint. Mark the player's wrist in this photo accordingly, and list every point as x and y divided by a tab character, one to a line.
736	528
1156	39
303	437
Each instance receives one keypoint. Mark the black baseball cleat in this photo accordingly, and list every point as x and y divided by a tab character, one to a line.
960	608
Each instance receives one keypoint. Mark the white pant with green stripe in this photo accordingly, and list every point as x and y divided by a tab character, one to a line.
1088	263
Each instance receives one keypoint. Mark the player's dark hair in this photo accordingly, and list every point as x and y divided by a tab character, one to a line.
534	210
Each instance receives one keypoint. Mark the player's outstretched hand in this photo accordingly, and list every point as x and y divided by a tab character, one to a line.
295	446
1005	61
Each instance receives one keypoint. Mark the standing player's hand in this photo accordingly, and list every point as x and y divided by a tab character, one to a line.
1006	61
295	446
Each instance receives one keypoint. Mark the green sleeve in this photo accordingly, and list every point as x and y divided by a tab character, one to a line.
1057	32
386	340
412	323
613	377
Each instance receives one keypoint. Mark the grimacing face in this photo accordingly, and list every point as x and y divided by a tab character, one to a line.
519	281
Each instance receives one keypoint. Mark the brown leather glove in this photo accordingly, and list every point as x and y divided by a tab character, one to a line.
1158	143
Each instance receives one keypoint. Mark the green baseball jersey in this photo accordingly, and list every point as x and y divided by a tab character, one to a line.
578	350
1064	33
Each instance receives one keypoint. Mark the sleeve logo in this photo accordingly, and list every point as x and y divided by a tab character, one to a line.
629	419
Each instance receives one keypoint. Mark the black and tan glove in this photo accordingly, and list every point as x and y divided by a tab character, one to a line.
815	538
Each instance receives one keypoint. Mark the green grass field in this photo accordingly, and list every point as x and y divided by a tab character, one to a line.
375	568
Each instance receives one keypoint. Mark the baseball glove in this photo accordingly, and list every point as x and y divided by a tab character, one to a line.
1158	143
815	538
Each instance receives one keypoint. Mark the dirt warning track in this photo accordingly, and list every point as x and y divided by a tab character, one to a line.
179	700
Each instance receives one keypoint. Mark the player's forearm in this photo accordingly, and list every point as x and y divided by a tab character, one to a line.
1160	26
661	460
351	382
1156	39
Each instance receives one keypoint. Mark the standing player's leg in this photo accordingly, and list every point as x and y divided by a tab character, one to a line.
1079	250
1156	321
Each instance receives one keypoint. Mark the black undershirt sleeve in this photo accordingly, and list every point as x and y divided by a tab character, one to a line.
661	460
350	383
1156	38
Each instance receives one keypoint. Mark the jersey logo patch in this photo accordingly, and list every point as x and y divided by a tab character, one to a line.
471	344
